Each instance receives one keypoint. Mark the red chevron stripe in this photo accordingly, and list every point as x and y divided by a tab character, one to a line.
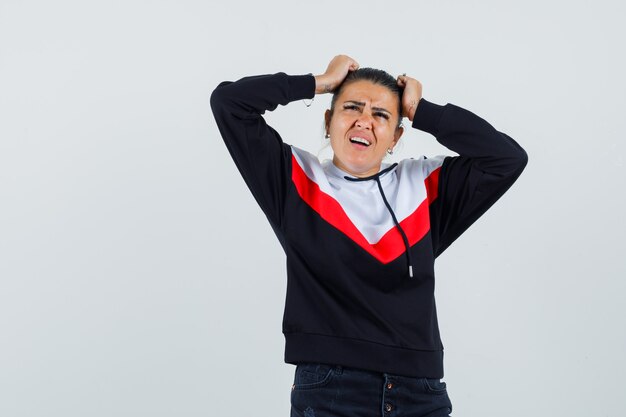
390	246
432	185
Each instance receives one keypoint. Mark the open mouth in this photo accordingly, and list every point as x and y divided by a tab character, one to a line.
360	141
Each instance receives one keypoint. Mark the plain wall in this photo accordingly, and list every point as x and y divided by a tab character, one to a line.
138	277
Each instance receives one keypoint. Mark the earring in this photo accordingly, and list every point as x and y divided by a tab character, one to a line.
390	151
327	136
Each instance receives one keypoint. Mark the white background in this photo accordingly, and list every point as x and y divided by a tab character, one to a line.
139	278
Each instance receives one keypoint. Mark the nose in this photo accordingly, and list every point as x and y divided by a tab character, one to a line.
364	121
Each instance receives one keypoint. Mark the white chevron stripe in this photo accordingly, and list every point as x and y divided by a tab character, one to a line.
404	189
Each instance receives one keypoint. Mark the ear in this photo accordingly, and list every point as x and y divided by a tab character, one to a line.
327	117
397	135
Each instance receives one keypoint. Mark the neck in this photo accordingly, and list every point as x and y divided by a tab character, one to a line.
354	173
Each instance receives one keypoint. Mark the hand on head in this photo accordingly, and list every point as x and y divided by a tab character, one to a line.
411	96
337	70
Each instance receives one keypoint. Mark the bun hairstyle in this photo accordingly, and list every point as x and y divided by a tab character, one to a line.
374	76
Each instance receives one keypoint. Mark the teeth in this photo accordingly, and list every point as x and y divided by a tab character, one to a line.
360	140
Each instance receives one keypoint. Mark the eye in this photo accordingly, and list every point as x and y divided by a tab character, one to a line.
351	107
383	115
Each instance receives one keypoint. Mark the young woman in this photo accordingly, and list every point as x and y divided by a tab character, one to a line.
361	235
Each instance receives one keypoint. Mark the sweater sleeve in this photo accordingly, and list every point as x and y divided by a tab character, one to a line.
489	162
259	153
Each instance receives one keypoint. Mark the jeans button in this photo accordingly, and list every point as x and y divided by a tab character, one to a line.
389	385
388	407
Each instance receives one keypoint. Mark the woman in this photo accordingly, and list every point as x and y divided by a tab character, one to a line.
361	235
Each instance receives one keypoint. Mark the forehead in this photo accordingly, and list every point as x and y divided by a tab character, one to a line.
369	93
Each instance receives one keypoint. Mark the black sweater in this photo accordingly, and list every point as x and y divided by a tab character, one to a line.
351	299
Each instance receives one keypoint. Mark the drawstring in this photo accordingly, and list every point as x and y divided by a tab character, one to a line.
393	215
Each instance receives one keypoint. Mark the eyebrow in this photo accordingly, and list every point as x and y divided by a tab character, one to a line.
361	104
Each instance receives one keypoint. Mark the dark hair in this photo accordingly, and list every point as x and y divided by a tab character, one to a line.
374	76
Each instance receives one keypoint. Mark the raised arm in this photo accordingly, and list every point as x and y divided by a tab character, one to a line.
488	164
258	150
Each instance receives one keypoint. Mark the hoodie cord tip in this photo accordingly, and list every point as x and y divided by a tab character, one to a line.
411	271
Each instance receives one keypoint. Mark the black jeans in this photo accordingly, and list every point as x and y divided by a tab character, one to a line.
321	390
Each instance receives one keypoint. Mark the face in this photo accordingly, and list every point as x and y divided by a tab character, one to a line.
363	126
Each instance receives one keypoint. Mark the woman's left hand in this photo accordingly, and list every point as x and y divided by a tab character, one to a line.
411	96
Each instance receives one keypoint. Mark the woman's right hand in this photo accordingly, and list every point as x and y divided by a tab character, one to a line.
337	70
